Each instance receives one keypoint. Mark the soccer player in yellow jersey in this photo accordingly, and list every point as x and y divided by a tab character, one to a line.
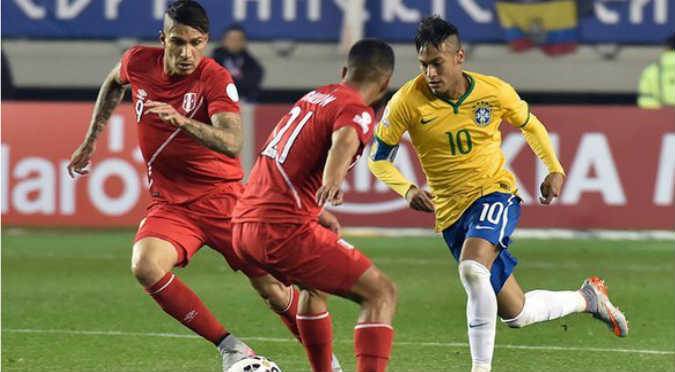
453	118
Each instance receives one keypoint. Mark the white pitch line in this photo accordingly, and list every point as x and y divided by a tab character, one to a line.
401	343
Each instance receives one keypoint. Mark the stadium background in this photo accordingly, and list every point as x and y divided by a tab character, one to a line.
620	159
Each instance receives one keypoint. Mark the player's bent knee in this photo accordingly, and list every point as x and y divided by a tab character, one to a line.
472	272
521	320
390	290
386	292
146	271
151	260
275	294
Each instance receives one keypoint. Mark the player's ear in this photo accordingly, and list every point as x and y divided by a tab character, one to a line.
344	71
162	37
461	56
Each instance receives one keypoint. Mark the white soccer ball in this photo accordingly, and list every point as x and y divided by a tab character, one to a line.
255	364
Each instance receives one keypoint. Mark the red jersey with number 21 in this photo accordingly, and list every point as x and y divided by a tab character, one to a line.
289	170
180	168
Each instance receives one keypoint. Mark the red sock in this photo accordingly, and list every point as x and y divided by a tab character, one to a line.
372	343
317	336
181	303
288	315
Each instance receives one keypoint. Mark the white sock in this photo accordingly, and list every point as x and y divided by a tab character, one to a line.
481	312
543	305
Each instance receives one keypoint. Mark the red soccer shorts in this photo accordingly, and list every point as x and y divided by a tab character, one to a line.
205	221
308	255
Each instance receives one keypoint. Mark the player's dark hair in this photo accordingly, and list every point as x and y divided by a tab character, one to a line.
189	13
434	30
370	59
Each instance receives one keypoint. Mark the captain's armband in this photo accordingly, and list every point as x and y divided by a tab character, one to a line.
383	151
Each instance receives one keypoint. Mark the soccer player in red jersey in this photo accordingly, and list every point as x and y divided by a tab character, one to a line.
277	222
190	134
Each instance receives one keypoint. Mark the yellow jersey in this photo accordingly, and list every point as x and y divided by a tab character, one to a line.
458	143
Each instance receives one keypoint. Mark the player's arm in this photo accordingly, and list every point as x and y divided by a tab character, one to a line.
380	162
345	144
109	96
519	115
225	134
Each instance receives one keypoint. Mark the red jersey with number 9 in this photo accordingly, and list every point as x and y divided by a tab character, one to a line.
180	168
289	170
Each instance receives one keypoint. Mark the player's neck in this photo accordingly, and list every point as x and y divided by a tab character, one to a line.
368	92
456	91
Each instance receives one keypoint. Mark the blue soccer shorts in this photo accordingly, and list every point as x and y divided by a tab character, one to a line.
493	218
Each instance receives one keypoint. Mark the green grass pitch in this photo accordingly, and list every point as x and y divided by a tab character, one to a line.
70	303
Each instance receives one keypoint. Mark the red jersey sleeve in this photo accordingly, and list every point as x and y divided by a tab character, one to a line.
359	117
127	59
221	94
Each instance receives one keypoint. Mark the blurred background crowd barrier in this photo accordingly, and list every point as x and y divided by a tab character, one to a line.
581	64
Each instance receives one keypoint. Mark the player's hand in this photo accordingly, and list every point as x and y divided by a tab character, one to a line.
550	188
80	159
329	221
329	194
166	113
420	200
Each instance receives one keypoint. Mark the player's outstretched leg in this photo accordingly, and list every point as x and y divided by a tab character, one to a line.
373	334
285	301
151	264
518	310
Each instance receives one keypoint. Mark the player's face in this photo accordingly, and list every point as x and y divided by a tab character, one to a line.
234	41
183	48
442	66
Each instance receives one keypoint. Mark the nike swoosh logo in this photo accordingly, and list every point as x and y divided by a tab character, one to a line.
477	325
426	121
484	228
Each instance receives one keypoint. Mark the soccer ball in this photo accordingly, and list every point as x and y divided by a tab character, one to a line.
255	364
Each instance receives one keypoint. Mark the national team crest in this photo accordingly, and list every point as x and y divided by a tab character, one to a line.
189	101
482	113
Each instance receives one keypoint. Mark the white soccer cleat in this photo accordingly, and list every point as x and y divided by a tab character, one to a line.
595	292
233	350
336	364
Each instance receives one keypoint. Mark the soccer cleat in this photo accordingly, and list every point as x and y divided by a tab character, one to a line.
336	364
595	293
233	350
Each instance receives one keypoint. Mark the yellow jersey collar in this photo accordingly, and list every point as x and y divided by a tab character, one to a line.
455	106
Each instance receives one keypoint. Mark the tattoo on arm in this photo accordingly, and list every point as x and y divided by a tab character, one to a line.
109	96
225	135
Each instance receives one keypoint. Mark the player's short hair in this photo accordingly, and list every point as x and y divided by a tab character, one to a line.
434	30
369	59
189	13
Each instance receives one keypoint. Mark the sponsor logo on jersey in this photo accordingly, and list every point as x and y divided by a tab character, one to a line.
189	101
482	113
